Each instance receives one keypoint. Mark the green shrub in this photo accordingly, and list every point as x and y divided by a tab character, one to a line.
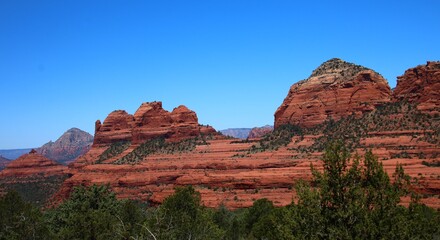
113	150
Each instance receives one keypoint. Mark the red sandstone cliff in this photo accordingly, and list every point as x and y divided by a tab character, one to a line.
420	85
335	89
148	122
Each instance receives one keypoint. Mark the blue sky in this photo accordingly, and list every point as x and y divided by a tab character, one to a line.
68	63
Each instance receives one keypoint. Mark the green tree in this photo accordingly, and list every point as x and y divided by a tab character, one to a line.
20	220
259	209
130	218
181	216
353	198
89	213
276	224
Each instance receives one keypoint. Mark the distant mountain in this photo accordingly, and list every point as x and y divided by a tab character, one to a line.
258	132
69	146
14	153
241	133
3	162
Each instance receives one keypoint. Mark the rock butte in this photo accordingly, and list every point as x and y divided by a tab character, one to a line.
226	172
335	89
149	121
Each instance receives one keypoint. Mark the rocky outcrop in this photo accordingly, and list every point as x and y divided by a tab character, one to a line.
32	164
117	126
259	132
420	85
335	89
241	133
148	122
73	143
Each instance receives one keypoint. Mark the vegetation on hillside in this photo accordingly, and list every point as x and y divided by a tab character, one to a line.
36	190
396	116
335	65
280	137
114	150
388	117
352	198
160	145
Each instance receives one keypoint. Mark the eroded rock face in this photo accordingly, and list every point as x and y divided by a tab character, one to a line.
148	122
32	164
116	127
73	143
259	132
335	89
420	85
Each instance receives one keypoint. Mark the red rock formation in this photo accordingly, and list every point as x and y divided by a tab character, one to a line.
116	127
335	89
149	121
227	172
32	164
73	143
259	132
420	85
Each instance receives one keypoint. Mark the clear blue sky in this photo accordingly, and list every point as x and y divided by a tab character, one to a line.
68	63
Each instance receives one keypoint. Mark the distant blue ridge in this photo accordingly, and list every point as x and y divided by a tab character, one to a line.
13	154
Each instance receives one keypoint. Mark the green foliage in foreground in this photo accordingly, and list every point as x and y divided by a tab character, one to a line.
351	198
20	220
